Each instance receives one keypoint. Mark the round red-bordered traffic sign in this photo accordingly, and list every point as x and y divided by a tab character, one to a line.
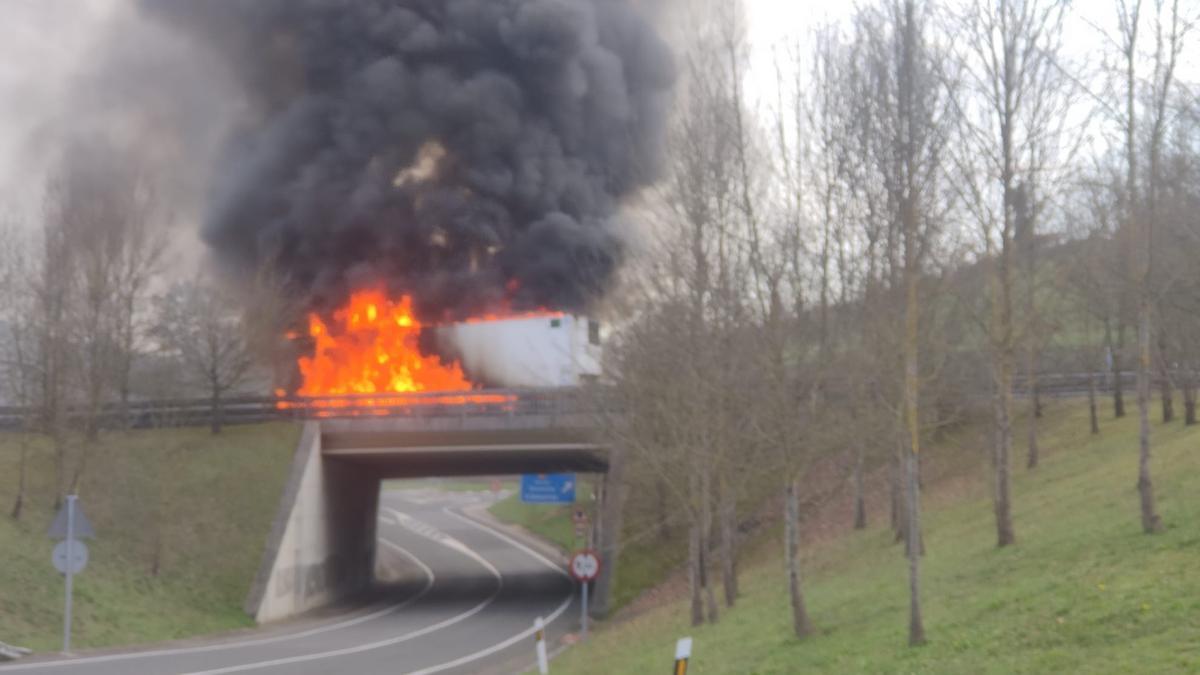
585	565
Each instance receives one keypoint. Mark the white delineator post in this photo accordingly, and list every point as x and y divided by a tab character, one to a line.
70	573
683	652
540	636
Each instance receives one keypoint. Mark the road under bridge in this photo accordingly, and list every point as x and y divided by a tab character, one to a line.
322	545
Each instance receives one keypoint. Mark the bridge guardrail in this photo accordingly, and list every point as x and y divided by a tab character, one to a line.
252	409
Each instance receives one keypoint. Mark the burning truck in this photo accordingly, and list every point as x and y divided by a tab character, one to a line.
438	182
375	346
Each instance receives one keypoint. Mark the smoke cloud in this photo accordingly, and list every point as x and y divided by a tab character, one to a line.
469	152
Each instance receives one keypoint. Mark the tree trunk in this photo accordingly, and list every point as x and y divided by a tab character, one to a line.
729	547
860	504
80	467
1035	408
916	627
1118	387
664	508
1164	374
801	623
214	408
706	522
60	467
1189	399
19	500
1150	520
1095	420
1033	455
899	521
1003	444
912	418
611	521
695	574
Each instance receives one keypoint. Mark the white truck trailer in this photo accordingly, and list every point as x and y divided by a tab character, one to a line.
557	350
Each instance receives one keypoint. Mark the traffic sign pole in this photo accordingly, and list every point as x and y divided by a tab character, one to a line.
584	567
70	573
583	612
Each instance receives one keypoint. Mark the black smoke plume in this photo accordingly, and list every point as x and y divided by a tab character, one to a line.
469	152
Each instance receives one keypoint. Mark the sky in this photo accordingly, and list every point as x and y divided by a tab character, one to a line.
43	43
773	24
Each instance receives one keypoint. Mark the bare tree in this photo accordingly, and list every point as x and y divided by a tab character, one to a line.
1010	114
18	343
914	122
54	290
101	246
1141	193
199	325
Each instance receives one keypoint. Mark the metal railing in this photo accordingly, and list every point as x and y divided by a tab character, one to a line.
256	409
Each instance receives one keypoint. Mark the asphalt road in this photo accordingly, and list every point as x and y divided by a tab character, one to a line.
467	605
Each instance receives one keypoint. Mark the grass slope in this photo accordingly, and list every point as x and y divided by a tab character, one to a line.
645	560
549	521
206	502
1083	591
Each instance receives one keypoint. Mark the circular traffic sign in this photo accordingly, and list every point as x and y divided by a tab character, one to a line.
77	561
585	565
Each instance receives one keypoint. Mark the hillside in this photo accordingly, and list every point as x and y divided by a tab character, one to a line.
1083	591
197	505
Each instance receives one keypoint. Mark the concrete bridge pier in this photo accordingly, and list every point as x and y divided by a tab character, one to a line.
322	542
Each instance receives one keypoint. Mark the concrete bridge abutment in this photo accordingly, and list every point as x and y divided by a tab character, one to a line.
322	543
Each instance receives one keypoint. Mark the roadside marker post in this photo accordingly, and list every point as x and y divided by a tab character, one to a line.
683	652
540	637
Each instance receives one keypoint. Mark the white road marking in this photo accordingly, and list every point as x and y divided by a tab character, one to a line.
497	533
61	663
413	525
519	636
430	577
445	539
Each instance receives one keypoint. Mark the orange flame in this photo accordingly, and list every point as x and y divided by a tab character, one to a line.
369	353
371	347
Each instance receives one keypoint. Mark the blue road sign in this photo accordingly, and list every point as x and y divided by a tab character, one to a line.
548	488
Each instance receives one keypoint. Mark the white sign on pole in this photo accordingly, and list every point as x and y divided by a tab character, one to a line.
585	565
70	555
74	560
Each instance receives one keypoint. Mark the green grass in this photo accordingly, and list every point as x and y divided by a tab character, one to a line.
205	501
1083	590
644	560
449	485
549	521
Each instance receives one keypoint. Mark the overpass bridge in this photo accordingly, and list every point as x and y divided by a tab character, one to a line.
321	547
